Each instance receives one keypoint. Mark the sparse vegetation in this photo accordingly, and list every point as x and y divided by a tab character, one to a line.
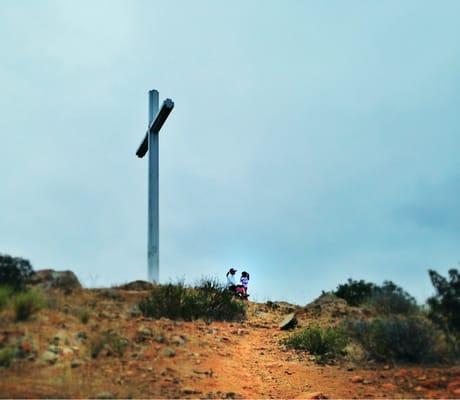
413	339
383	300
5	296
7	355
444	306
111	343
208	300
15	272
83	314
391	299
325	342
27	303
355	292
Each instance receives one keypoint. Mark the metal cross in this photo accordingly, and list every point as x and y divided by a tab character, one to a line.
150	143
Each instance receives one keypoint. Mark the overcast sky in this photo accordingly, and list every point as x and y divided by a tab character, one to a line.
311	141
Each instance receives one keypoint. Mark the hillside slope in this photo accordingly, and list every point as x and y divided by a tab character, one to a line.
143	358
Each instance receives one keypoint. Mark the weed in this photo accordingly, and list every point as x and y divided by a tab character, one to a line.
327	342
7	355
109	342
413	339
5	296
208	300
27	303
83	314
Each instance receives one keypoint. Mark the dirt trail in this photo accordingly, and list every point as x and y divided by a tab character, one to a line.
256	367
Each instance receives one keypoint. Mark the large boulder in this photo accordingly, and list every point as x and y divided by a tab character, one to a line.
51	279
289	322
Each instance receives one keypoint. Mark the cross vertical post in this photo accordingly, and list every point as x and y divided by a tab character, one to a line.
153	240
150	144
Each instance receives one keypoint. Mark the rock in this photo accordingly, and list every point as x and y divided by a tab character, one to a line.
105	395
402	373
76	363
357	379
67	352
168	352
177	340
137	286
313	395
144	333
54	349
59	338
159	338
389	386
49	357
431	383
454	385
134	312
51	279
107	315
240	332
289	322
189	390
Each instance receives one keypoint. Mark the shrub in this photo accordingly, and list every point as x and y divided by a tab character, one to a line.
412	339
355	292
5	295
444	306
111	342
7	355
27	303
209	300
386	299
328	342
165	301
391	299
14	271
83	315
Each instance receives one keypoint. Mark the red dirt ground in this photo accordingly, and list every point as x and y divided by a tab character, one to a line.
219	360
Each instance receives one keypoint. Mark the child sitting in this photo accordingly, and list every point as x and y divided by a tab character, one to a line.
245	281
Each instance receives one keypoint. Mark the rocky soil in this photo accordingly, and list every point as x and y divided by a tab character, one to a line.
95	343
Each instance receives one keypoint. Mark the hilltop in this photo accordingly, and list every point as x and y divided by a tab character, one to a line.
96	343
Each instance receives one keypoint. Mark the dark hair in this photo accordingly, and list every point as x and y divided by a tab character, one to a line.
244	274
230	271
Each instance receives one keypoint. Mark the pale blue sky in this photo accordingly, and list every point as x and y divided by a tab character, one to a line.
311	141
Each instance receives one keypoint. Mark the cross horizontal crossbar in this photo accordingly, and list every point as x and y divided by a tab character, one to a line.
155	126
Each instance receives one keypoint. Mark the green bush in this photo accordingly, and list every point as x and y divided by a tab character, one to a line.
7	355
327	342
355	292
14	271
208	300
5	296
413	339
27	303
444	306
385	300
391	299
